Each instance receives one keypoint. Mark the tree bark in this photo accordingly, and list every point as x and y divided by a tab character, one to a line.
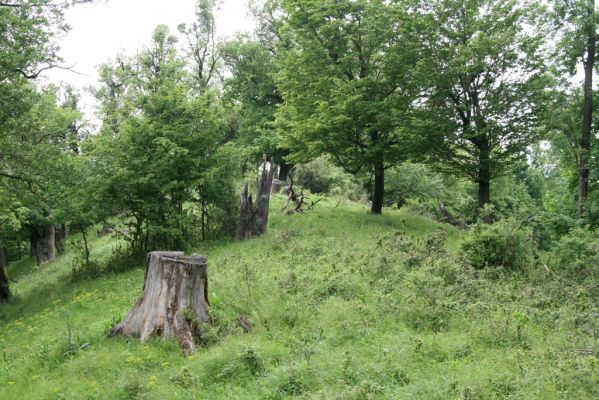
379	188
44	246
59	237
283	171
587	113
484	174
174	301
4	281
253	217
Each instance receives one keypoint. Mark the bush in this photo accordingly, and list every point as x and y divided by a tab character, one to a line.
321	176
503	244
578	251
315	176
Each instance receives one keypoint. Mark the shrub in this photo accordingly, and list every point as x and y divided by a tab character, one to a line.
578	251
503	244
321	176
315	175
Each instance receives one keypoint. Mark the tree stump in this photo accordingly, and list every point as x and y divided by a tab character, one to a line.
253	217
174	301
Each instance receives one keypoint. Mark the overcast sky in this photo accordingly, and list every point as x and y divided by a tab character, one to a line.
99	31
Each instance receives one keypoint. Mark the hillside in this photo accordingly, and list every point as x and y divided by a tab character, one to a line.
345	305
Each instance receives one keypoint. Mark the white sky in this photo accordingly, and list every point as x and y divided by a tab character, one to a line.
105	28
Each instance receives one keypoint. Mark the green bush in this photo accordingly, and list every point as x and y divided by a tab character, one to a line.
578	251
321	176
315	176
503	244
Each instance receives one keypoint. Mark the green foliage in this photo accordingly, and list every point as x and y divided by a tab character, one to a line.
469	48
577	252
321	176
415	182
347	84
504	245
167	165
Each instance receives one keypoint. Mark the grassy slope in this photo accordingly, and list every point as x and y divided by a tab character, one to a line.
341	310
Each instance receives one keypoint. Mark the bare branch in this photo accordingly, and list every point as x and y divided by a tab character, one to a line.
36	74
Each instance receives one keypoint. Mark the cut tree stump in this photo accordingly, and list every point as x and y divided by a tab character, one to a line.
174	301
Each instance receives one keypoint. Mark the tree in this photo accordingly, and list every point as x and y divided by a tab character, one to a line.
347	84
486	80
161	143
31	121
251	89
200	38
577	22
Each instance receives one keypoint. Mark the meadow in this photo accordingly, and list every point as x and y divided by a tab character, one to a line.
344	305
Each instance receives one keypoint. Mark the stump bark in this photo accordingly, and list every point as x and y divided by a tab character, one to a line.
174	301
253	217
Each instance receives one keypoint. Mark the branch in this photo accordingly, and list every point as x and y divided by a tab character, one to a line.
36	74
16	177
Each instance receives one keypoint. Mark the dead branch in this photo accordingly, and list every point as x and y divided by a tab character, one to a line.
450	218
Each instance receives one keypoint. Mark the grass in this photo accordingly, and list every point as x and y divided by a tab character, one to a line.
345	305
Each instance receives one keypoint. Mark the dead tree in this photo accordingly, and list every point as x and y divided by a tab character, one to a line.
450	218
253	217
298	200
174	301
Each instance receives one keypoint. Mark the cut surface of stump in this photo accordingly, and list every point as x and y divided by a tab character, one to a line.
174	301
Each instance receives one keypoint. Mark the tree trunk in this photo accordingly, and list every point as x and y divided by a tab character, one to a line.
59	237
585	140
44	247
277	185
484	174
283	171
203	218
174	301
379	188
253	217
4	281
